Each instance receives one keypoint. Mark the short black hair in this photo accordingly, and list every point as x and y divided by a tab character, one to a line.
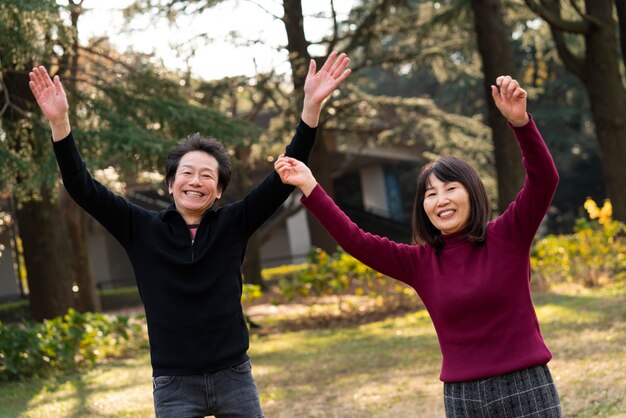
197	142
448	169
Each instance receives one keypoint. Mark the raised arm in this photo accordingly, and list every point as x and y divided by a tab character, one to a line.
399	261
267	197
112	211
52	100
524	215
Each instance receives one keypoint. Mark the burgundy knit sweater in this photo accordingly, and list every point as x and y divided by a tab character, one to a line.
478	295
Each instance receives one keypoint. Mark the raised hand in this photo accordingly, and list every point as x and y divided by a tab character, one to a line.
510	100
320	84
51	99
296	173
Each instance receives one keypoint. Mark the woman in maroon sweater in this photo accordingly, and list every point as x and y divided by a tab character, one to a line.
472	274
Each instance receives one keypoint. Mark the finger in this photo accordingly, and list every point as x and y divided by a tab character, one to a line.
45	77
342	77
329	61
33	88
58	85
495	94
504	84
35	77
33	83
341	67
520	93
312	68
513	85
337	63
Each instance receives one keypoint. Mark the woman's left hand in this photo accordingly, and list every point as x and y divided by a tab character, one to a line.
510	100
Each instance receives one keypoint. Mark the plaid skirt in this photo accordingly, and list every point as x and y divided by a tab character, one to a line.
524	393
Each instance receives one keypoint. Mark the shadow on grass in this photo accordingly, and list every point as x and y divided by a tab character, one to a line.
19	397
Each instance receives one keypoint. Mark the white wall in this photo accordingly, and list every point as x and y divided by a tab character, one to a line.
373	188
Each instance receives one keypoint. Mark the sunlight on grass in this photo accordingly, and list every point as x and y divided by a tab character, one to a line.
120	389
387	368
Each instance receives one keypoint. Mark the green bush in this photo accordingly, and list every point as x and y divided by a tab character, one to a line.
67	342
594	254
251	292
331	275
14	311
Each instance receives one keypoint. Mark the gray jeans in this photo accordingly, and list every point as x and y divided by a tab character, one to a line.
228	393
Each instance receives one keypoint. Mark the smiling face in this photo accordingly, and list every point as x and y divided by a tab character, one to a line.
195	187
447	205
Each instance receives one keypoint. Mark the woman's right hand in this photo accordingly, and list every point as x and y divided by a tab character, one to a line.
296	173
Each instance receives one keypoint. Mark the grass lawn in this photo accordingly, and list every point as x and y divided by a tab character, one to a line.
387	368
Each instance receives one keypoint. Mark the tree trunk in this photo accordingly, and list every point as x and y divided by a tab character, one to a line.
319	166
497	56
299	59
48	257
620	5
607	99
251	267
88	298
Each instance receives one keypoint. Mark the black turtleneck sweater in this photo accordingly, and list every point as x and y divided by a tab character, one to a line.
191	291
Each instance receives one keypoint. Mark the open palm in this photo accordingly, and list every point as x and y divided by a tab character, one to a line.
319	85
50	95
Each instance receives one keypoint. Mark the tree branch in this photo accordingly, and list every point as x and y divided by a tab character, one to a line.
264	9
107	57
362	32
333	41
572	62
554	19
584	15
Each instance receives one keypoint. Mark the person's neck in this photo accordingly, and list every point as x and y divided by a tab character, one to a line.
191	219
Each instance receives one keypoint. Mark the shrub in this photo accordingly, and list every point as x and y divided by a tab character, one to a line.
331	275
287	271
66	342
251	292
14	311
595	253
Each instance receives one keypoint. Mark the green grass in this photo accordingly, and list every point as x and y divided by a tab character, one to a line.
387	368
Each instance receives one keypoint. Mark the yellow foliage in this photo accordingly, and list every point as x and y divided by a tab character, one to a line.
603	215
284	270
594	253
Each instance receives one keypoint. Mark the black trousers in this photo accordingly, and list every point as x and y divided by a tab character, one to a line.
524	393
